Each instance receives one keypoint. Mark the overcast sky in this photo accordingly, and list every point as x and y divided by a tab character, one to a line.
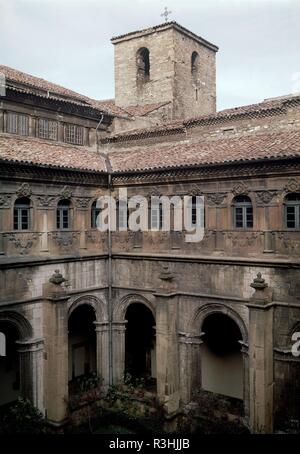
68	41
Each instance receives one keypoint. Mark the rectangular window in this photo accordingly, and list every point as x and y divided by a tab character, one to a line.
239	217
17	124
243	217
21	218
156	216
249	217
47	129
95	214
293	217
123	215
62	218
74	134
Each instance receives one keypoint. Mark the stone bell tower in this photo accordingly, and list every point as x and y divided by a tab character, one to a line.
166	63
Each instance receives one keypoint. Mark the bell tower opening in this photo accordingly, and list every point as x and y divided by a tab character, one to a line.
143	65
156	65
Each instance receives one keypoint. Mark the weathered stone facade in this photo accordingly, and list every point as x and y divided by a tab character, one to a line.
252	151
171	76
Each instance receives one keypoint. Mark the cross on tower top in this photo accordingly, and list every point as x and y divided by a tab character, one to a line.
166	13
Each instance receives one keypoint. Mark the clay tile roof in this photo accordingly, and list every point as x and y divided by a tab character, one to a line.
206	152
30	81
266	107
50	154
20	81
108	105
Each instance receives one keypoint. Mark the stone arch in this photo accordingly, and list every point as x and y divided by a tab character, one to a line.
96	303
124	303
143	64
196	322
22	325
24	356
195	66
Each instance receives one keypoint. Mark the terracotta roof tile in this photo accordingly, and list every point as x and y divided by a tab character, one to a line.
30	81
157	156
252	111
30	84
205	152
51	154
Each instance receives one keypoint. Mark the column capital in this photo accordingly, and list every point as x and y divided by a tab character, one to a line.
30	345
190	338
244	347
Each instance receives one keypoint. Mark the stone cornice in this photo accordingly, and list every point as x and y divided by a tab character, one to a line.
242	261
224	171
38	173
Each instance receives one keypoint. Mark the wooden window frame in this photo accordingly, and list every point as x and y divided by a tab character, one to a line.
244	206
17	123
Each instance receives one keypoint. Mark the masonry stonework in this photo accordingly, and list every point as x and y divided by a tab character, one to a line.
159	137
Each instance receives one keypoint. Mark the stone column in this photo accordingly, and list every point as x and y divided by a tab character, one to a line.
102	339
118	329
44	234
167	351
261	380
246	392
31	353
189	365
56	334
1	120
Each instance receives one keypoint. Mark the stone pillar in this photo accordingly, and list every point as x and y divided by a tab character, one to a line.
189	364
1	120
44	234
61	132
102	339
82	219
56	333
167	352
118	330
31	353
246	392
261	380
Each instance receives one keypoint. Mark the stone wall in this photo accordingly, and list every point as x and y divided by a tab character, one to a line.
170	73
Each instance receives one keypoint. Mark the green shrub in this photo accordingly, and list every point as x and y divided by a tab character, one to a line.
22	418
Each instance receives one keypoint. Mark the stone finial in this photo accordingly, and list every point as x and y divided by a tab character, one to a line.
57	278
259	283
263	293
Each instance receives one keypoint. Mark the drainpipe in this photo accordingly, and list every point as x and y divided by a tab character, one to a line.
109	272
109	261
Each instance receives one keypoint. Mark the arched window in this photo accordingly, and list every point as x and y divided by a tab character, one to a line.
143	64
292	211
243	212
94	214
63	214
195	65
22	214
